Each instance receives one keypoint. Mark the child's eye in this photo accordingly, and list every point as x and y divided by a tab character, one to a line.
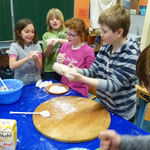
57	18
26	31
104	31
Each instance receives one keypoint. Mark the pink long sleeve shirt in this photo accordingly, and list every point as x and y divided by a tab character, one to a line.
81	58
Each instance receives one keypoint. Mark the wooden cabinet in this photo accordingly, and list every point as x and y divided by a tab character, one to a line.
4	48
95	41
4	60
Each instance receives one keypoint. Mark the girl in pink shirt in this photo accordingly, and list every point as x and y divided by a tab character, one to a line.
76	52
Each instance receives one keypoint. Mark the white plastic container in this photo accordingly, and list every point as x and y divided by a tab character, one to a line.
8	134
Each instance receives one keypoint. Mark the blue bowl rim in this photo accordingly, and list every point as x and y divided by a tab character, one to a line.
14	89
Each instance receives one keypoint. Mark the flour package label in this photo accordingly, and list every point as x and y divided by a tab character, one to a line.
8	134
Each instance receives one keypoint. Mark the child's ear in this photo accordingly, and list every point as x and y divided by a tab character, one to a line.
120	32
18	33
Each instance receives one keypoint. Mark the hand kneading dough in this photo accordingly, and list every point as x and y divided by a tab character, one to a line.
70	77
60	68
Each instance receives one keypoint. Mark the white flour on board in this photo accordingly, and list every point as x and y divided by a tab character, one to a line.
66	107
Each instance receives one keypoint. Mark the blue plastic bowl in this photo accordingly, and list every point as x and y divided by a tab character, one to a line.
15	88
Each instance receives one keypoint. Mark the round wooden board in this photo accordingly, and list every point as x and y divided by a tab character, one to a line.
73	119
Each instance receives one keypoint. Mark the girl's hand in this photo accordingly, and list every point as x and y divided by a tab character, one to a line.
61	58
30	54
33	55
48	42
52	42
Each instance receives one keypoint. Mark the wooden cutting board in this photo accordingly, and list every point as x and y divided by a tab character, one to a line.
73	119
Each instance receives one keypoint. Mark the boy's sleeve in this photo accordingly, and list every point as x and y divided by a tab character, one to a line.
135	143
123	75
93	70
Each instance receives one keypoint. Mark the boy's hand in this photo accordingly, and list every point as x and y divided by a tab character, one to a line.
110	140
73	75
60	68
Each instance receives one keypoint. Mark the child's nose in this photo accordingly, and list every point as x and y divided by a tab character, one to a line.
55	19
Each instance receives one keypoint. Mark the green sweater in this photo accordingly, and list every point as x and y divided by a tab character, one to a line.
49	61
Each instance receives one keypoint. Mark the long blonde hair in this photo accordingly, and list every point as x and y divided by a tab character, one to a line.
58	14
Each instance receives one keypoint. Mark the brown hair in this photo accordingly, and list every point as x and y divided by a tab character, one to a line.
116	17
21	24
78	26
58	14
143	66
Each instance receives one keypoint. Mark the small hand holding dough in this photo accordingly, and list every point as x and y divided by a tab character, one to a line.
51	41
35	54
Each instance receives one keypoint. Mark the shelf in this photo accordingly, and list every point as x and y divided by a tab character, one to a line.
91	41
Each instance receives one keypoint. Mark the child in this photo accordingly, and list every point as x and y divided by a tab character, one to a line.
109	138
76	52
25	56
113	73
52	40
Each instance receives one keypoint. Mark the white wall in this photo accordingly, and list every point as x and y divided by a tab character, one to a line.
145	39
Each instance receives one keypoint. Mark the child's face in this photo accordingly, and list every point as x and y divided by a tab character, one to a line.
55	23
108	36
27	34
73	37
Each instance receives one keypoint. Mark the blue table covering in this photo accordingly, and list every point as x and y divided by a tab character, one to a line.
28	138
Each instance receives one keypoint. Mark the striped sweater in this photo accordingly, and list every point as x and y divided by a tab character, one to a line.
117	78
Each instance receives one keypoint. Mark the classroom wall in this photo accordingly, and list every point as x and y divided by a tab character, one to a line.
82	9
36	10
145	39
5	20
